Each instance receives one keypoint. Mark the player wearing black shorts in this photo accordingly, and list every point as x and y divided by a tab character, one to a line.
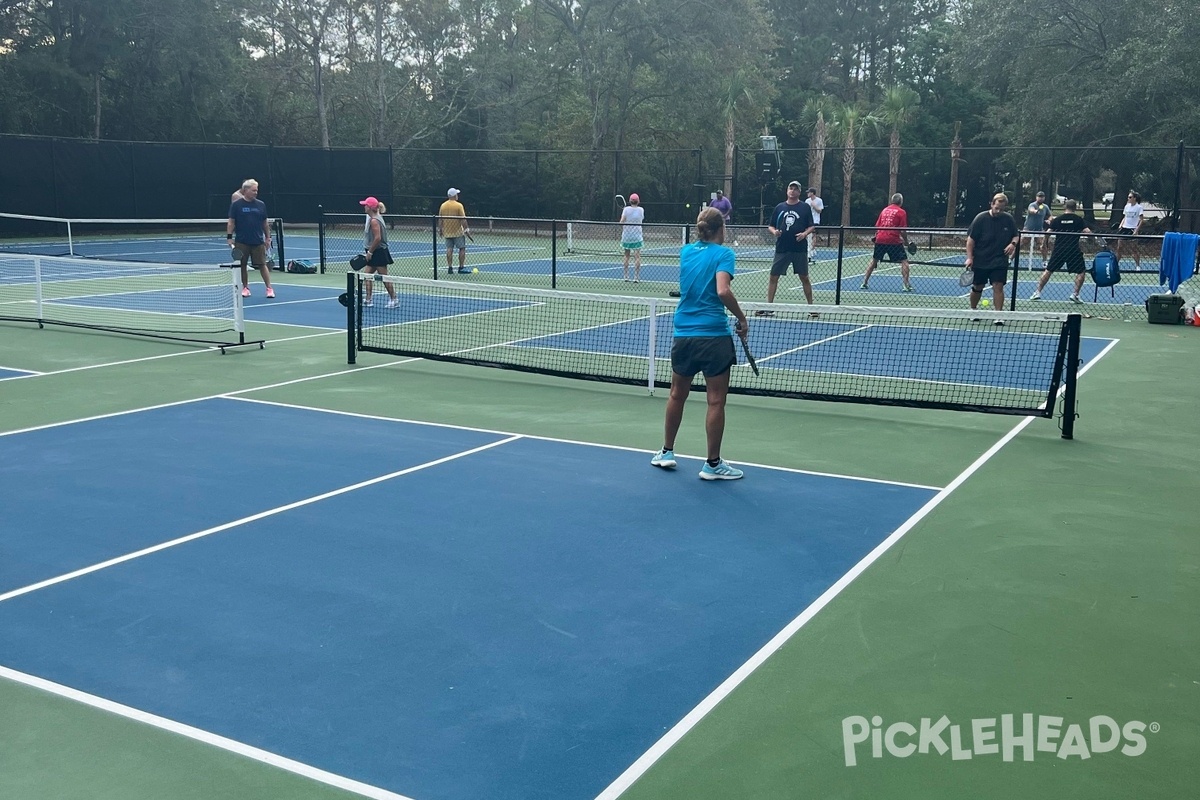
1066	251
992	240
891	241
702	342
791	225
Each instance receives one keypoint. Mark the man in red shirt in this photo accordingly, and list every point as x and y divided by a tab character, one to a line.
891	240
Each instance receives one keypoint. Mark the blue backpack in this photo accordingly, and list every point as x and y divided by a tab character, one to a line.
1105	270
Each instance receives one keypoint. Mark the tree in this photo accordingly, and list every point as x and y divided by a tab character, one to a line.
851	124
815	118
955	159
896	112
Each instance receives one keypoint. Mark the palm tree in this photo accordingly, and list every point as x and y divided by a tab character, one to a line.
816	116
737	90
850	124
897	111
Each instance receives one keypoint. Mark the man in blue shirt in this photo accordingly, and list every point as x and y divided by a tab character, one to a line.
702	342
248	232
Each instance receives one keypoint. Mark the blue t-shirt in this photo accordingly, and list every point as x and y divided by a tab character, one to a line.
248	217
700	311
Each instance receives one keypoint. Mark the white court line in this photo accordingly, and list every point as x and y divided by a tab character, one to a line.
646	760
189	352
112	562
693	717
203	736
532	437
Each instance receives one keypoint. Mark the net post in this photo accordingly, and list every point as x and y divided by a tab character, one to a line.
279	243
1016	265
1074	327
321	234
653	346
351	304
433	226
837	287
239	318
554	253
70	240
37	289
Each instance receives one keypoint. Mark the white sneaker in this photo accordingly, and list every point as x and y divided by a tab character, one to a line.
368	302
1035	296
395	301
1074	298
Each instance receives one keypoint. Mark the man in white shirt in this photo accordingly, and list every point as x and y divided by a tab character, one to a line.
817	205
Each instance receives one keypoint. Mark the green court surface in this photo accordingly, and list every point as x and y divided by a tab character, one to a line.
1052	578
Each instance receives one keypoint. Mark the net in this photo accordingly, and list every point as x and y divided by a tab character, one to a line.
191	303
497	246
958	360
604	238
159	241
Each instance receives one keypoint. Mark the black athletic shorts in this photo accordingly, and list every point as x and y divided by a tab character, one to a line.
712	355
995	271
1072	260
889	252
798	259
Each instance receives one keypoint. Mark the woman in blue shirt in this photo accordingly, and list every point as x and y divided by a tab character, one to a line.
702	341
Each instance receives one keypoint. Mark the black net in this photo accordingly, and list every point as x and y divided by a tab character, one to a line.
165	241
1003	362
191	303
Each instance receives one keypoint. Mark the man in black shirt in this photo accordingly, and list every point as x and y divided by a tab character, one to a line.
791	225
992	240
1066	250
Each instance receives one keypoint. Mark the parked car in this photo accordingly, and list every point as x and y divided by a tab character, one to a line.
1107	200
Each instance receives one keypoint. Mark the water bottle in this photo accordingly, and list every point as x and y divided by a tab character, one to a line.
1127	312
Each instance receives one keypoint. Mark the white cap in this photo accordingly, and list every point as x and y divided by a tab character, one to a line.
451	192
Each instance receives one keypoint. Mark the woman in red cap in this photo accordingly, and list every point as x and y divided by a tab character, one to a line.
378	255
631	235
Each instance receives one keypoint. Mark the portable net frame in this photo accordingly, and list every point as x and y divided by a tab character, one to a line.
921	358
199	304
157	241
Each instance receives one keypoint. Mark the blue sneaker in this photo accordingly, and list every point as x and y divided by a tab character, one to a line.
664	459
721	472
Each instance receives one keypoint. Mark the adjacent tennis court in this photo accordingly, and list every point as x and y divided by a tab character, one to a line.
272	574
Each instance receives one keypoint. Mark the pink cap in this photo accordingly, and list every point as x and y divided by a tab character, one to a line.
633	198
370	202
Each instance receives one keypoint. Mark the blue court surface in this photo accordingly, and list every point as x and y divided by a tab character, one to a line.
5	373
440	612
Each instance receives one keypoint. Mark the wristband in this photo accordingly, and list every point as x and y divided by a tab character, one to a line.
229	236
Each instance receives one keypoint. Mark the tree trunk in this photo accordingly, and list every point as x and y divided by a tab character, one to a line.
96	135
319	97
847	176
816	153
893	163
377	130
952	196
730	145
